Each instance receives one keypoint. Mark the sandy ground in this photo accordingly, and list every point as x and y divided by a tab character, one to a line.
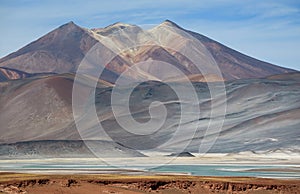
171	184
157	159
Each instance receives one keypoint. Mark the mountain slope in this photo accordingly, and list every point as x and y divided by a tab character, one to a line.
11	74
62	50
58	51
233	64
262	114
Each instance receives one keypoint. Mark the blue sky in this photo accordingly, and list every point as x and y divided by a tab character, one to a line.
268	30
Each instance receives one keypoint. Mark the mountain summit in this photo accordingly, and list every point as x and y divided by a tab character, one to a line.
62	50
170	23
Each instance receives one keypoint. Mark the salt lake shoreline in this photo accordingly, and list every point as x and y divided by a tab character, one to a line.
131	177
272	163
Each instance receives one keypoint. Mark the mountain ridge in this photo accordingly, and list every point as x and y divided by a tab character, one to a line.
62	50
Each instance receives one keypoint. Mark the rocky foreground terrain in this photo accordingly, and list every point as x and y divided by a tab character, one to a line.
26	183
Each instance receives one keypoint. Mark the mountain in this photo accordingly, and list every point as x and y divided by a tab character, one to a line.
37	108
62	50
262	114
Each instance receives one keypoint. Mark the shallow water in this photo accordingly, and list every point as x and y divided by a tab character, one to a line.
266	171
274	171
